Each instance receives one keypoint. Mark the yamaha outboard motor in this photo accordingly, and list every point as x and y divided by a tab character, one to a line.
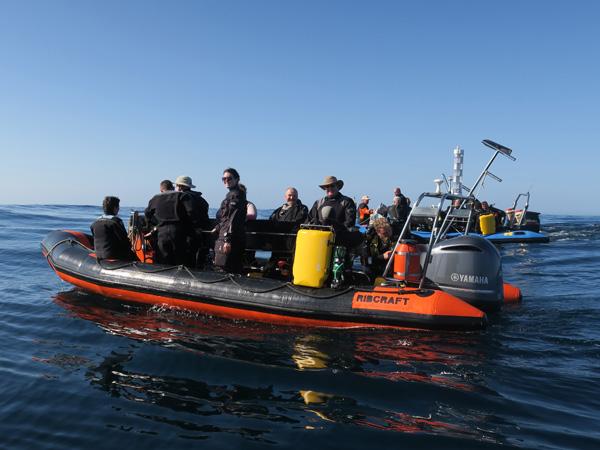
468	267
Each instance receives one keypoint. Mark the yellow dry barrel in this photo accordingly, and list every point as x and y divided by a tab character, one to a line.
487	223
312	257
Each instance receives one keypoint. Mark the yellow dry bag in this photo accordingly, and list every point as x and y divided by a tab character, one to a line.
487	223
312	257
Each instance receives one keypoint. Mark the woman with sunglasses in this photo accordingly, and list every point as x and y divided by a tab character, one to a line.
231	216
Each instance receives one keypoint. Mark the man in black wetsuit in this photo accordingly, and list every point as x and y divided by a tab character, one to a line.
110	237
337	211
174	217
197	248
398	212
292	210
334	209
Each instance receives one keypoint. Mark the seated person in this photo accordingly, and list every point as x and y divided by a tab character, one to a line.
110	237
379	246
292	210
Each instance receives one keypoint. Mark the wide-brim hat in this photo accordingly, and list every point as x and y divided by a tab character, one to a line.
184	181
331	180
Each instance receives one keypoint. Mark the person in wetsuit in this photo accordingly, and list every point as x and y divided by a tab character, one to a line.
398	212
173	217
197	249
230	229
379	246
110	237
292	210
336	210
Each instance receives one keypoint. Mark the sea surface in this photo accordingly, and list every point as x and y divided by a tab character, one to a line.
81	371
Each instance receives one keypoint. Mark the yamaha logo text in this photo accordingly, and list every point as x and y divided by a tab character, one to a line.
473	279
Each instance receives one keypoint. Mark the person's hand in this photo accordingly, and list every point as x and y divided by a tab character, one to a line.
226	248
387	254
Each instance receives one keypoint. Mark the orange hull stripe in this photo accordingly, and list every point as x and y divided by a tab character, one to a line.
223	311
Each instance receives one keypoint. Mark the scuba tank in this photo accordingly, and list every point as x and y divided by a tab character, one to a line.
139	243
338	265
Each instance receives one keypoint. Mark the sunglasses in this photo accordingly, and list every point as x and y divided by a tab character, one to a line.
227	178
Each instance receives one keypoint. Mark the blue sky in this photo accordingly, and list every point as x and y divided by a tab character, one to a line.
109	98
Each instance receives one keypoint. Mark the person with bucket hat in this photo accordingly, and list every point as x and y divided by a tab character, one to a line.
197	249
334	209
173	215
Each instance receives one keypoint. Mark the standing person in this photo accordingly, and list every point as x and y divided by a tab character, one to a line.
197	250
172	214
166	185
231	216
292	210
334	209
110	237
364	212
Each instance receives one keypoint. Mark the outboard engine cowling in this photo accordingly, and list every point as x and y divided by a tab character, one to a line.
468	267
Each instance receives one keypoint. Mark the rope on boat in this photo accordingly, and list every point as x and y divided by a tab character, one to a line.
226	277
260	291
336	294
218	280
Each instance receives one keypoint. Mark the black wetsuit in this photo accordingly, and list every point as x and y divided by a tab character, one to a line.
175	218
338	212
231	218
297	213
198	245
397	214
110	239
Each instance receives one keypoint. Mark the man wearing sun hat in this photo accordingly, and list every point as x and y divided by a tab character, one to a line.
173	216
197	248
334	209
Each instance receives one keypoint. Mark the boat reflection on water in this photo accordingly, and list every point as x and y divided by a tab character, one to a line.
233	373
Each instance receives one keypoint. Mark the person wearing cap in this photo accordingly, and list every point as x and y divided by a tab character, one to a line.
230	228
110	237
364	212
334	209
173	215
197	250
292	210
